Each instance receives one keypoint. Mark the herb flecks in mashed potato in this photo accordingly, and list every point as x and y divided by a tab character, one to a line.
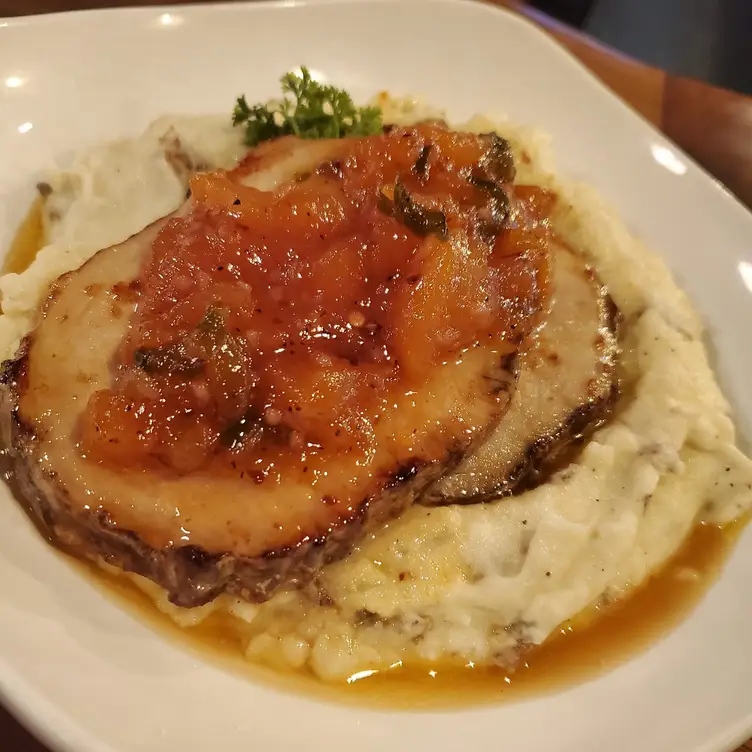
313	110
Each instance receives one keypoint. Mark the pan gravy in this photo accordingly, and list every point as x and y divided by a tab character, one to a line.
594	643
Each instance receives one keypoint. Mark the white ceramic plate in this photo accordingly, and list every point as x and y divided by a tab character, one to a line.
89	677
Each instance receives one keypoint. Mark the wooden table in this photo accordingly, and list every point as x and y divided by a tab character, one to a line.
712	125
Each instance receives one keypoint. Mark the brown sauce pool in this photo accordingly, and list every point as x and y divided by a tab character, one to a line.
582	649
29	238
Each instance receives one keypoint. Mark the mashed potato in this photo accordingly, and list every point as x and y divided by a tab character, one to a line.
459	583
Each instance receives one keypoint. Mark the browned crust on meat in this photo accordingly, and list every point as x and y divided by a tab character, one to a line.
191	575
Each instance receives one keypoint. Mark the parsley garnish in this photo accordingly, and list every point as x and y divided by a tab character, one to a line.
312	111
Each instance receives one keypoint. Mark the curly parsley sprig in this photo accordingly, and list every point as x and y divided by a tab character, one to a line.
308	109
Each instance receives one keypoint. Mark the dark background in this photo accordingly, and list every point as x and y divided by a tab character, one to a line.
706	39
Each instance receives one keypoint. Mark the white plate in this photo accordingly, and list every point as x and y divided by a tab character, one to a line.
89	677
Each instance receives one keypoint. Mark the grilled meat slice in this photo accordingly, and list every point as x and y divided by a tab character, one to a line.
243	538
567	383
205	532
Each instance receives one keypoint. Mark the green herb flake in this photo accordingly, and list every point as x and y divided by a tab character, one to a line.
212	323
247	430
308	109
171	359
415	217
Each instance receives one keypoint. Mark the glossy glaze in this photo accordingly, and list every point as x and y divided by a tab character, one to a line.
274	331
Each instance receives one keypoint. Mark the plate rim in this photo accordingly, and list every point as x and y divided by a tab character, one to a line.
485	6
